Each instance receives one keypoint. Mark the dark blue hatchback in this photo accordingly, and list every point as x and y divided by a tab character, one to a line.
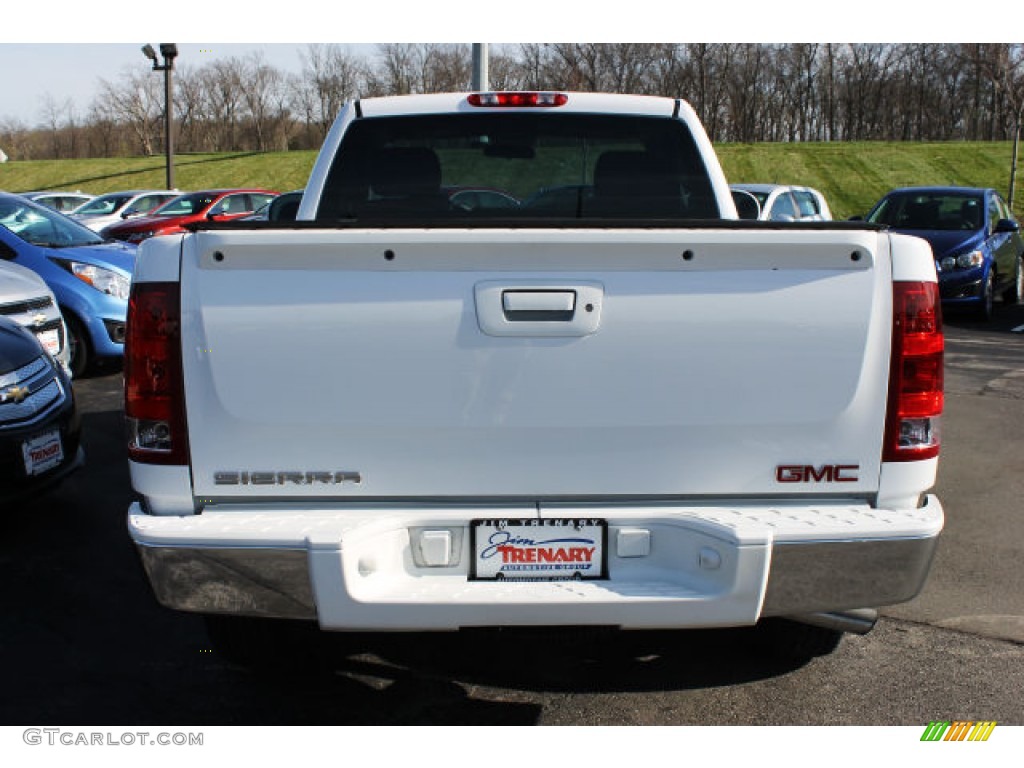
39	421
977	245
89	277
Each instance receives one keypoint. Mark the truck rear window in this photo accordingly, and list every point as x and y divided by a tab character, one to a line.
517	166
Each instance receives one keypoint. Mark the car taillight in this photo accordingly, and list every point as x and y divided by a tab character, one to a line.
518	99
916	373
154	391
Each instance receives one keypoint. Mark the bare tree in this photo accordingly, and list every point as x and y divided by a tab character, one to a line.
445	68
54	117
420	68
746	97
398	72
224	101
15	139
704	72
282	125
330	77
190	100
867	71
103	131
629	67
795	91
531	65
579	65
303	102
136	100
1003	65
506	72
260	83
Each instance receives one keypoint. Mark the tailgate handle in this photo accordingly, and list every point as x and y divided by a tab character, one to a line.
533	306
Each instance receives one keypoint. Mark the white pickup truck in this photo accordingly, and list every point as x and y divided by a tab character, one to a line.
518	364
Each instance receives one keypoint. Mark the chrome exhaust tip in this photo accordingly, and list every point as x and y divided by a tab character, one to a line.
858	621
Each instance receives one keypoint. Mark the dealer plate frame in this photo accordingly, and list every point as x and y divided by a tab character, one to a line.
44	439
518	530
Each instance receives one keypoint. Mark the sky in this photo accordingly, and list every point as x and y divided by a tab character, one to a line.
62	49
73	71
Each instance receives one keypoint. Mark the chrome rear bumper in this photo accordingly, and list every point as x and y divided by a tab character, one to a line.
355	571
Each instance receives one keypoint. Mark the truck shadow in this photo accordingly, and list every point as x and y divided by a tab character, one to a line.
576	661
499	677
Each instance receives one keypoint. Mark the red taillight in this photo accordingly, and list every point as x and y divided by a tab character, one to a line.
915	379
154	392
518	99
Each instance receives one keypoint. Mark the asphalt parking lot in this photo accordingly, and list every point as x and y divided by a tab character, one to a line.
82	641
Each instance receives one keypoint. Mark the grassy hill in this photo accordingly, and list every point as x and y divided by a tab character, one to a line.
851	175
280	171
854	175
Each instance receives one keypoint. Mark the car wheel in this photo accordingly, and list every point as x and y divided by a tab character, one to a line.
1015	293
78	342
986	304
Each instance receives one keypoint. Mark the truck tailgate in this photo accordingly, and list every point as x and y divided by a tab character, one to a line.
535	364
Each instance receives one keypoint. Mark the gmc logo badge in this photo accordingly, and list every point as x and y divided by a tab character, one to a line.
826	473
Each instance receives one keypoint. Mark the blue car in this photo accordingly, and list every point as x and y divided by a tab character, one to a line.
978	249
89	277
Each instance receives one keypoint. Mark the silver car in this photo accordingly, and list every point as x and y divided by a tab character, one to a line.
115	207
26	300
65	202
785	202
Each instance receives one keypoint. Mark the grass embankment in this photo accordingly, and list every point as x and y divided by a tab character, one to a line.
851	175
854	175
280	171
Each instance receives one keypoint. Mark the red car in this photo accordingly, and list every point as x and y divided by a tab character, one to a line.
191	207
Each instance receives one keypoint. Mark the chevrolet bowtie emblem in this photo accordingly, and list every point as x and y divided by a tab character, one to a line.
13	394
39	319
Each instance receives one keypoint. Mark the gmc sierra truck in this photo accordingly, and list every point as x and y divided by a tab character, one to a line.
517	363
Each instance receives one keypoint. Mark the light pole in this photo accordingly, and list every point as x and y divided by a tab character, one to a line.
480	64
170	52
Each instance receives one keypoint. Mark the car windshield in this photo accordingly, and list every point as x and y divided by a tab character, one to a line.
40	225
930	210
197	202
761	197
103	205
517	165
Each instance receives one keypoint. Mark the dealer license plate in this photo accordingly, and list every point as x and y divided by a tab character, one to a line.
42	452
50	340
538	550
